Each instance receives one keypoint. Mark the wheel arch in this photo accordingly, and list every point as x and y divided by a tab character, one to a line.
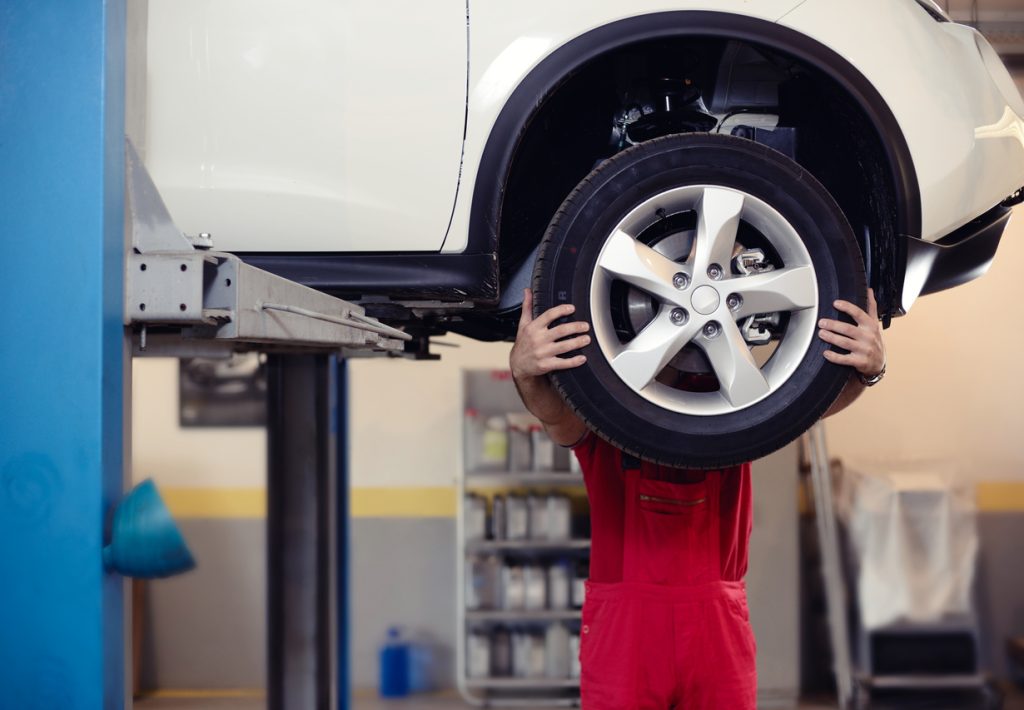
528	99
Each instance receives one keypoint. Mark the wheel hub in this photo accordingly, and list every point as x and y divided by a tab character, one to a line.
676	319
705	300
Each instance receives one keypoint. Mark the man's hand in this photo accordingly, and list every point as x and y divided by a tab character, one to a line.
535	354
863	340
538	346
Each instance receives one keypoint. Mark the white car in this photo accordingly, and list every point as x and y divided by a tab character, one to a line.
701	179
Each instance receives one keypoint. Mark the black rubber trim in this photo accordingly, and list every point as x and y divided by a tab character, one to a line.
965	254
415	276
526	100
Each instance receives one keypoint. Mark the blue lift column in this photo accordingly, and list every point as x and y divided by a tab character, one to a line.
61	338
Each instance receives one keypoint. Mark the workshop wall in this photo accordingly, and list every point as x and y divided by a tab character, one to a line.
951	391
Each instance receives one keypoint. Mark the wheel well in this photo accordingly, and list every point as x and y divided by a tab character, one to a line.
845	135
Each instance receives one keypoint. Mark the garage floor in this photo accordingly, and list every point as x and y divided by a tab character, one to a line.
1014	701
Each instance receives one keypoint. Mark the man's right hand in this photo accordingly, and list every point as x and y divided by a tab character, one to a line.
538	346
536	353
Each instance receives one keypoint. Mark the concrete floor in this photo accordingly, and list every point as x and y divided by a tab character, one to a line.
417	703
1014	701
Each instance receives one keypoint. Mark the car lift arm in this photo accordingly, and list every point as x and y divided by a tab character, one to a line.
178	281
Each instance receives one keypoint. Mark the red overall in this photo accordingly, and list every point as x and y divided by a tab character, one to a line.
665	622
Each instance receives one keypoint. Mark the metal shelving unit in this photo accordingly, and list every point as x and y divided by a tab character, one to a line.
523	683
485	546
518	615
493	393
505	479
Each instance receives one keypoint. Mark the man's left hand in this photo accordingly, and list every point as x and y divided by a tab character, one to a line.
863	339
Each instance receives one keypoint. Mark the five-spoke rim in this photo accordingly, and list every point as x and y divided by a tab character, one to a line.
700	301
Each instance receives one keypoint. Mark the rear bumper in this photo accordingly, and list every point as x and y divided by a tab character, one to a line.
956	258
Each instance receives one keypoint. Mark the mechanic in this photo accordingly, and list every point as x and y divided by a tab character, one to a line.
665	621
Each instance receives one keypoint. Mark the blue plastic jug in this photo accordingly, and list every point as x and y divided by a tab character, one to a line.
394	665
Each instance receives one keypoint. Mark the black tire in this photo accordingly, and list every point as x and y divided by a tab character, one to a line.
565	267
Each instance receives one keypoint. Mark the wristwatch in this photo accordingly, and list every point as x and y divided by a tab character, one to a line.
872	380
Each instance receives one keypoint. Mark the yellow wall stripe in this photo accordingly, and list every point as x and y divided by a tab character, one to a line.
1000	496
216	502
440	501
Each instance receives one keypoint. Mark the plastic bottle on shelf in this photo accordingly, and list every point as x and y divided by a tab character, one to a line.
394	665
520	654
559	519
535	584
517	517
478	655
574	655
473	438
543	449
557	659
513	587
538	655
475	516
579	583
474	583
520	452
499	518
501	653
558	586
483	580
538	509
494	452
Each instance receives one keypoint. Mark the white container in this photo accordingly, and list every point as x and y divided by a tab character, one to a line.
538	525
521	647
474	513
513	588
478	655
538	656
517	517
579	585
574	656
559	596
528	655
521	445
520	452
483	580
559	520
557	652
543	449
535	582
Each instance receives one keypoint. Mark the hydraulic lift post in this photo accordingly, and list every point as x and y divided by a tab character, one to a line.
303	551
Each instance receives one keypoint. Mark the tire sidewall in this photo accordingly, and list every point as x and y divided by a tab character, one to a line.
577	235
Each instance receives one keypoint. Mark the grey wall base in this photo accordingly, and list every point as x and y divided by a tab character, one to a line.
207	629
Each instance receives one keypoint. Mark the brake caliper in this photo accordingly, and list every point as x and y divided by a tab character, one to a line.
760	328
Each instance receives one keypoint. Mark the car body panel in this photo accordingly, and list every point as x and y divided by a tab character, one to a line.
509	40
313	125
966	140
327	128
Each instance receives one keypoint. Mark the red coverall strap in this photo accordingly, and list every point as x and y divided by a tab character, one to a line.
665	623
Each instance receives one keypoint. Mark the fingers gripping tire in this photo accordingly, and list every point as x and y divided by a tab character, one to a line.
702	263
